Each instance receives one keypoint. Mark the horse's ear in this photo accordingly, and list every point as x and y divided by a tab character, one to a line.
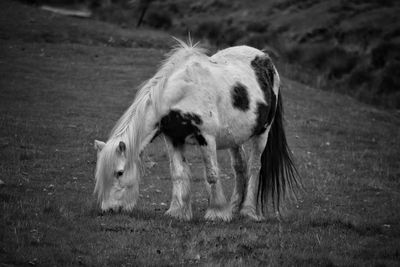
98	145
121	147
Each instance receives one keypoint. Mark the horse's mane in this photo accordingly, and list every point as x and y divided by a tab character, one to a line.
151	89
130	127
129	124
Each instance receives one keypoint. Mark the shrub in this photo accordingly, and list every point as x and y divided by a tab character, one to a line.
383	52
314	56
257	26
173	8
340	63
231	35
359	76
292	53
333	61
159	19
208	29
258	40
390	79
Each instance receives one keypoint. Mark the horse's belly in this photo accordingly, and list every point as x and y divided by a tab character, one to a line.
224	140
233	135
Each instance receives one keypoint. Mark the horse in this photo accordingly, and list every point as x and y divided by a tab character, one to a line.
224	101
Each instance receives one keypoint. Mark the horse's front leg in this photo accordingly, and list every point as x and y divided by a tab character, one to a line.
180	207
218	208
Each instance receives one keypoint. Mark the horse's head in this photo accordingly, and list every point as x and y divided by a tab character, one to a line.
117	179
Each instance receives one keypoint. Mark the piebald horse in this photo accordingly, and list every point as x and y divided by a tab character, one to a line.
217	102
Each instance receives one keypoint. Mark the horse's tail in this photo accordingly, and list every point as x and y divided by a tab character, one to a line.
278	175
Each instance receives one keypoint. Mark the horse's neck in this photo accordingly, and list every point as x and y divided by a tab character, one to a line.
149	129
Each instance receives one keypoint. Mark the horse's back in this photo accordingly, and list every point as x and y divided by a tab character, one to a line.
241	53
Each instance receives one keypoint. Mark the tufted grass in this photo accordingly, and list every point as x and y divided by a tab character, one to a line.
56	98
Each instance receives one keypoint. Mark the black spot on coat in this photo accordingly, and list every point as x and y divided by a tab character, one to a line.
240	97
177	126
264	71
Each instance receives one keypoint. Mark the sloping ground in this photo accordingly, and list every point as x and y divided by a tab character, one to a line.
57	97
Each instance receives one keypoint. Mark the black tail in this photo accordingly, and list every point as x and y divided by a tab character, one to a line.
278	174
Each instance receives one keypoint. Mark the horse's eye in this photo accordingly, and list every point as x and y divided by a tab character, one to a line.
120	173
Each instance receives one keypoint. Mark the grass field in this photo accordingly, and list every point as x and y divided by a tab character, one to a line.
59	94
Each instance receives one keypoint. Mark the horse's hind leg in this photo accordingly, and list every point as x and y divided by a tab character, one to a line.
180	204
250	207
240	167
218	208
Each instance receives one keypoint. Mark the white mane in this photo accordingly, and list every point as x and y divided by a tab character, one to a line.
130	127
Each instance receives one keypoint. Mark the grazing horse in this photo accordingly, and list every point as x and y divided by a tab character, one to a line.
217	102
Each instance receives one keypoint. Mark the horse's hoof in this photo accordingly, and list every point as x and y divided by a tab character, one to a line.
181	214
251	213
219	215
